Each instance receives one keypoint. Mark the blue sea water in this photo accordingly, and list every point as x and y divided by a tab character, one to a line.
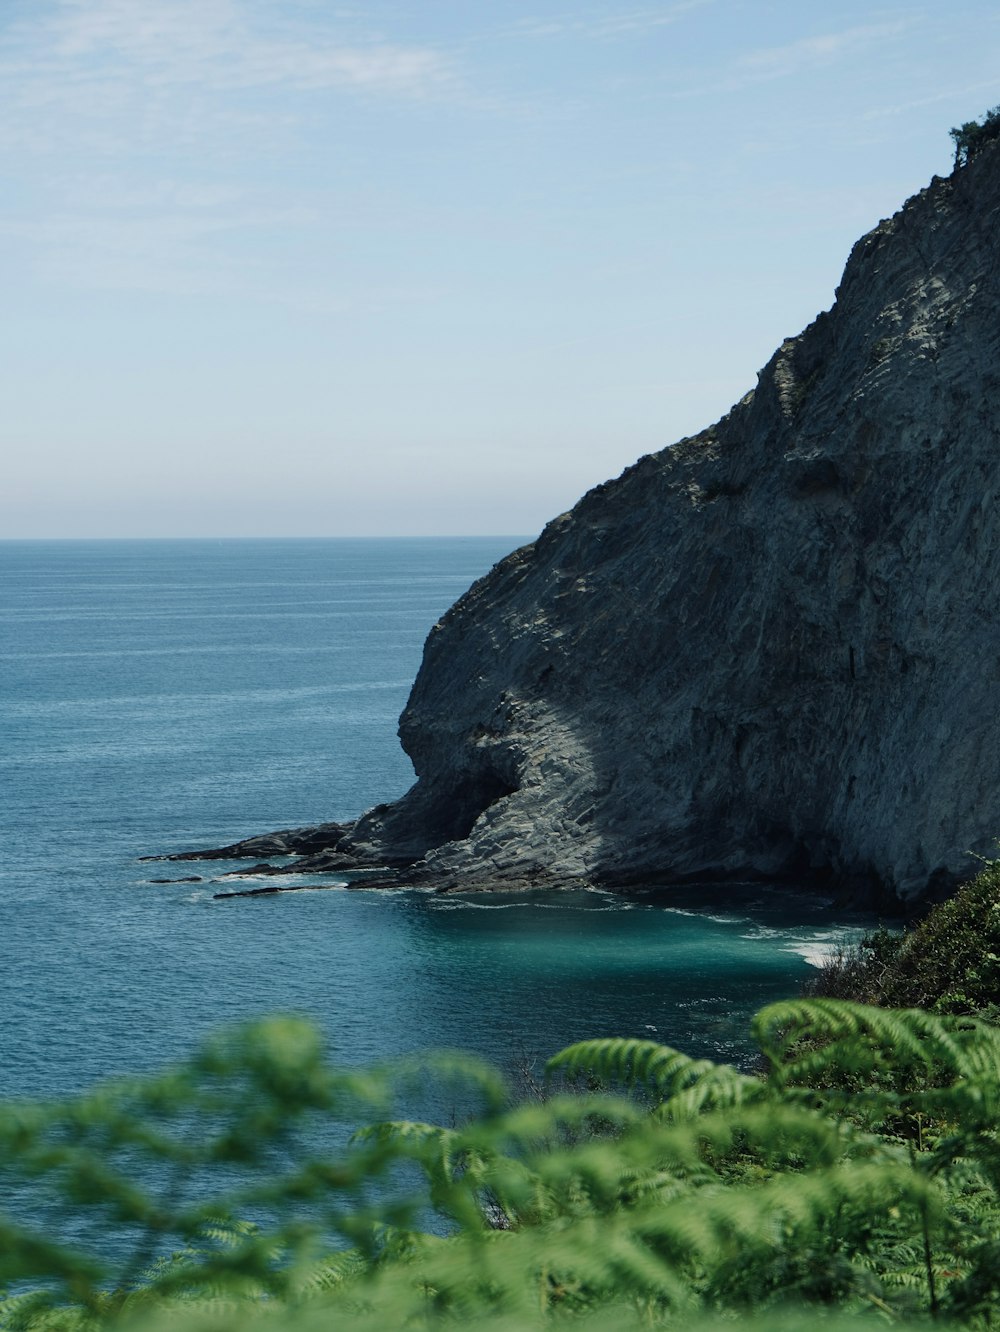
164	695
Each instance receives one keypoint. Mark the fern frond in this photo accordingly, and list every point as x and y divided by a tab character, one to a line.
688	1085
804	1039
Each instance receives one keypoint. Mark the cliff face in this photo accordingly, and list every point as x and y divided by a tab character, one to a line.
772	649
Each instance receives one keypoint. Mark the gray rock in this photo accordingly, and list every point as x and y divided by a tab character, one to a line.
274	890
286	841
771	650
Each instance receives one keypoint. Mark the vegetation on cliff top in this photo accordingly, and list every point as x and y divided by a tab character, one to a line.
972	137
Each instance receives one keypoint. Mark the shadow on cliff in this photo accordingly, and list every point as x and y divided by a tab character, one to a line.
769	651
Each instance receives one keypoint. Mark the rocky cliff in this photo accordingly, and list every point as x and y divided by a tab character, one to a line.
770	650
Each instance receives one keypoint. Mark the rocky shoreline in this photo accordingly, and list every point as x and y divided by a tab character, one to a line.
323	849
328	848
769	652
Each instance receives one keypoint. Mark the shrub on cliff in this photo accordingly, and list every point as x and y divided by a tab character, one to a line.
974	135
949	962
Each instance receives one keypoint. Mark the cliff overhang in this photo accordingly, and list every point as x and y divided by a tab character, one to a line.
771	650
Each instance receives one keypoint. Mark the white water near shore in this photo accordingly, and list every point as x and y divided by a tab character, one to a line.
164	695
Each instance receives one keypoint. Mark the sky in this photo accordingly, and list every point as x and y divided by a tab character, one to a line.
426	267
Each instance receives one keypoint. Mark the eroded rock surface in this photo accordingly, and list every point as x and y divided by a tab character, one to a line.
771	650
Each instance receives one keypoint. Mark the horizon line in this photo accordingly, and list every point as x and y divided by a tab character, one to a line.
361	536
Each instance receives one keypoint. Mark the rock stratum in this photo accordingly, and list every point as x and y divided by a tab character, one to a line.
771	650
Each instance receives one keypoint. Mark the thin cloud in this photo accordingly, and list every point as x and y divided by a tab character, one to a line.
159	106
597	26
159	249
114	72
948	95
215	44
177	238
777	62
780	61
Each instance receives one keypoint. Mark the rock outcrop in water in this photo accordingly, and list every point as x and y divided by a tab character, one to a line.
771	650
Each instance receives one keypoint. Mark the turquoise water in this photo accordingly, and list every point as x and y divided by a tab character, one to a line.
163	695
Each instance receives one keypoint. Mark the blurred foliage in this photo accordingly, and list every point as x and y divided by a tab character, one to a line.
854	1180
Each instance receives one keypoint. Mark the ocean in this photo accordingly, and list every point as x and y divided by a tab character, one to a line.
164	695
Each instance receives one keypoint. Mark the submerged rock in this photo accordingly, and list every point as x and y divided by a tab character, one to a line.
275	890
771	650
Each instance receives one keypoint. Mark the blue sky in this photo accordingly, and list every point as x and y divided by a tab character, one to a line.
293	267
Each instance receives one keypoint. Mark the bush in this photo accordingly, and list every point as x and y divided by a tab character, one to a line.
857	970
972	137
709	1194
949	962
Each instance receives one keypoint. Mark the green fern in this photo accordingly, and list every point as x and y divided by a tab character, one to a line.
859	1173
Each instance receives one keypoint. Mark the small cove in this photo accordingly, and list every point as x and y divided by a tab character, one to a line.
163	695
